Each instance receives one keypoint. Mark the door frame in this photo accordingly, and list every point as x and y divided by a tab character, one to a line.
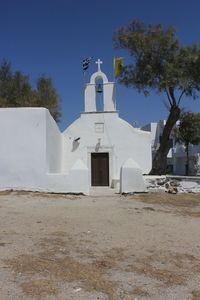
100	155
103	149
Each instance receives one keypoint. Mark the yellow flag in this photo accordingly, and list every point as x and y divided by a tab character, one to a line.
118	66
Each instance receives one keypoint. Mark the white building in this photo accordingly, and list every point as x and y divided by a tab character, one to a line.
176	158
92	151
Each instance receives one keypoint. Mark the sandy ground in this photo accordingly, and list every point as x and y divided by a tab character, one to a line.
143	246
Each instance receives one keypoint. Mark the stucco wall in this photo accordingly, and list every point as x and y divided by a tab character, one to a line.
31	154
53	145
22	147
156	130
118	138
34	155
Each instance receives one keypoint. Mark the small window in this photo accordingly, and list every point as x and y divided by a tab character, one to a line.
99	127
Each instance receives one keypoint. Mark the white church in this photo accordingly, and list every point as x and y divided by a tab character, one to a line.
97	149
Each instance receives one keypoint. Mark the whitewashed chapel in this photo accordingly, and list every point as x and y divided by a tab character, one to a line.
98	149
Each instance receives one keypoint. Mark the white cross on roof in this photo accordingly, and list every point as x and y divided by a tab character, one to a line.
99	62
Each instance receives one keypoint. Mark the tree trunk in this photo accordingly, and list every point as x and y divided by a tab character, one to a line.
160	159
187	160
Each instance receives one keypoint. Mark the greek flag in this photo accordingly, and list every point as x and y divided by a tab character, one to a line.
86	63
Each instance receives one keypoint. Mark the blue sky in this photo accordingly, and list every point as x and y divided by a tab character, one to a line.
52	37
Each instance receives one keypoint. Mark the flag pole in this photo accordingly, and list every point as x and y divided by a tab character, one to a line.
84	83
114	90
86	63
114	69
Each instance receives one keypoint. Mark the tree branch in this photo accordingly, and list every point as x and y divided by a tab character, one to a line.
168	97
171	93
179	99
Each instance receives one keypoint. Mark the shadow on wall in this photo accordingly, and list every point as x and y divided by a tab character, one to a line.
97	147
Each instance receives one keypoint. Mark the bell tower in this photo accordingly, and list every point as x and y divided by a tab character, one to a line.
109	103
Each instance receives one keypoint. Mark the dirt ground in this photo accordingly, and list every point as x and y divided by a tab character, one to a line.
115	247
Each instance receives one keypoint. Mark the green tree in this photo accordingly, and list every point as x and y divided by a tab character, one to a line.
47	96
16	91
159	63
21	93
188	132
5	83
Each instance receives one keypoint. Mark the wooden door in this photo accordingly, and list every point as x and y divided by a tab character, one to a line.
100	169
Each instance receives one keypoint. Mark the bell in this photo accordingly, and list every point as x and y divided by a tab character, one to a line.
99	88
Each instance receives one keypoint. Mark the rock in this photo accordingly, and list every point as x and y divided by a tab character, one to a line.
161	181
172	186
167	185
175	183
172	190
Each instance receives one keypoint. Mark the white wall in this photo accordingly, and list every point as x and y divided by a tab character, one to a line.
31	153
53	145
22	147
131	179
118	138
35	156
